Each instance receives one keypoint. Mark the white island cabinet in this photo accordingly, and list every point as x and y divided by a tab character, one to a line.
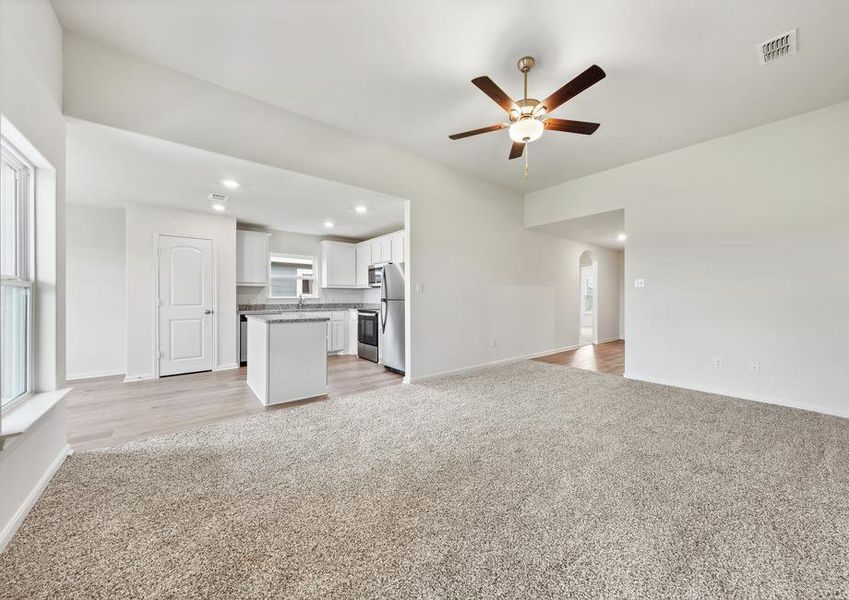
287	357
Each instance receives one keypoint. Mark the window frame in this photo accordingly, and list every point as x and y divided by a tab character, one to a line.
25	273
299	279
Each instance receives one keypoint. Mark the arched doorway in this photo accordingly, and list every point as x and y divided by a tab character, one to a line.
588	299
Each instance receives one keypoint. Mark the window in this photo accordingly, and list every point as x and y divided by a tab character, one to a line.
588	296
292	276
16	189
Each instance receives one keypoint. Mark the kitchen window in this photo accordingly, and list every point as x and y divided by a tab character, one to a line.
16	291
292	276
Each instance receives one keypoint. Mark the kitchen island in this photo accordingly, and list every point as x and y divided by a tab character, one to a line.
287	357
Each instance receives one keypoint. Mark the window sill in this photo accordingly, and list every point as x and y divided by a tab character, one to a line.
20	417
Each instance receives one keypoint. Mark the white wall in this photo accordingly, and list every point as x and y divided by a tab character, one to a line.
622	298
96	291
484	275
284	242
143	224
31	98
743	242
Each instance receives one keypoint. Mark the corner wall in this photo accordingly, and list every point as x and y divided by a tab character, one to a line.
143	224
96	291
743	242
31	99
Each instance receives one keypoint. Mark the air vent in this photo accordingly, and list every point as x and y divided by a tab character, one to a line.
213	197
778	47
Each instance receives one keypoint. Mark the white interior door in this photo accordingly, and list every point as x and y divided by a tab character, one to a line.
185	305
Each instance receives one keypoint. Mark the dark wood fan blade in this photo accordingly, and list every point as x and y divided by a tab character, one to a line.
465	134
488	87
571	126
589	77
516	150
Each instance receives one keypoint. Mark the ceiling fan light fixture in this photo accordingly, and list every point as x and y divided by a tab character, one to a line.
526	130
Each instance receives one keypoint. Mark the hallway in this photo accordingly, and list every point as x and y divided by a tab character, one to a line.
601	358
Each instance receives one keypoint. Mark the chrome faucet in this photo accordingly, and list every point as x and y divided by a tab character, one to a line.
300	301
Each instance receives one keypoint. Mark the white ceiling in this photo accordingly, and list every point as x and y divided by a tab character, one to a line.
601	229
677	72
111	167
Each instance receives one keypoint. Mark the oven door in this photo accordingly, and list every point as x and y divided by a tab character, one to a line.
367	329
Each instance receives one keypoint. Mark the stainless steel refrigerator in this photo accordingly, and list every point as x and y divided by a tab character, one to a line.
392	316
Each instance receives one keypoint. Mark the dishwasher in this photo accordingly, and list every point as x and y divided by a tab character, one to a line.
243	339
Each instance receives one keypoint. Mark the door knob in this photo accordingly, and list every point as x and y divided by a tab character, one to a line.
207	312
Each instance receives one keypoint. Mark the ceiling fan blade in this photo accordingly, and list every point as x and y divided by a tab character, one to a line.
571	126
465	134
488	87
516	150
586	79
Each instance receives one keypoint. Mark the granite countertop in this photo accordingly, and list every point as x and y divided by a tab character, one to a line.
266	309
284	318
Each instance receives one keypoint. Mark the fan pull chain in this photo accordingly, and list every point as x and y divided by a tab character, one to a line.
527	151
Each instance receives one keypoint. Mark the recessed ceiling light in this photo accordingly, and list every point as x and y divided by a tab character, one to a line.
219	207
360	209
621	237
328	224
230	183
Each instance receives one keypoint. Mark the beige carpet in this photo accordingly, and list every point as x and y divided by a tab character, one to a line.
523	481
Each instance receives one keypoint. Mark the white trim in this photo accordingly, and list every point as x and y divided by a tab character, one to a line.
25	414
94	374
738	395
134	378
615	338
226	367
23	510
492	363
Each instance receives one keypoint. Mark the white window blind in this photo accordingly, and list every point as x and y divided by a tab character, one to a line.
292	276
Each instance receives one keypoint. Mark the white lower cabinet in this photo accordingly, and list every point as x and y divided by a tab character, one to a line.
353	332
337	332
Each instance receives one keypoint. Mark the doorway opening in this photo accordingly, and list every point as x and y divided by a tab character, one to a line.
588	296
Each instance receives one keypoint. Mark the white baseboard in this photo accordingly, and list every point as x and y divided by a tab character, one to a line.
720	391
131	379
492	363
615	338
23	510
93	375
226	367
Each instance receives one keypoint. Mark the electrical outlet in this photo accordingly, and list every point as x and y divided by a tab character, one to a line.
639	283
717	362
755	368
492	343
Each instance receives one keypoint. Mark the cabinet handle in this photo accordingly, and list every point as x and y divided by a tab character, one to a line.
207	311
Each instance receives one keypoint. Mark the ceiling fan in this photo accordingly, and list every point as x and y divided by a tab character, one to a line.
528	118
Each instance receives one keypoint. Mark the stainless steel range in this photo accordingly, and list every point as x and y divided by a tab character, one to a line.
368	323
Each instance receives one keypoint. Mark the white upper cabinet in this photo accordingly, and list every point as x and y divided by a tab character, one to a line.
386	249
338	265
363	263
251	258
398	247
374	245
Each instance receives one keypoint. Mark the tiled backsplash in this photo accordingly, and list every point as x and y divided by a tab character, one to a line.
253	295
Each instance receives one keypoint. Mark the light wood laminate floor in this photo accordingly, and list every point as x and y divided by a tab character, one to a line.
601	358
107	411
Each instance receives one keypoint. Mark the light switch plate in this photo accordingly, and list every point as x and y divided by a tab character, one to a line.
419	287
639	283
